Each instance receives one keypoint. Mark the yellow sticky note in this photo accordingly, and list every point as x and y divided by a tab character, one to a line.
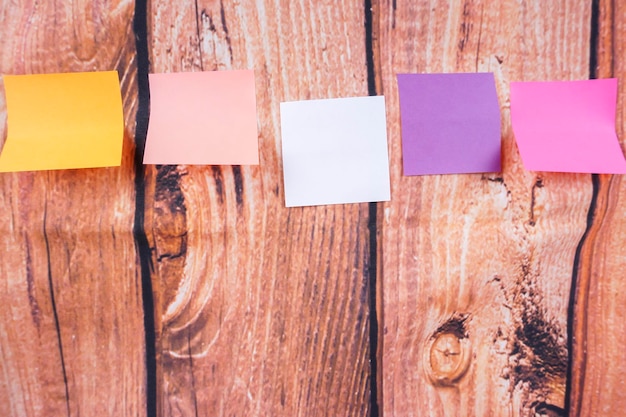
63	121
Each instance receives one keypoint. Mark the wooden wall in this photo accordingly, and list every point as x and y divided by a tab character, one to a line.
260	310
192	291
71	315
478	268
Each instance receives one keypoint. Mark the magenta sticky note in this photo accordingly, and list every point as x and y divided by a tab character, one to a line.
567	126
450	123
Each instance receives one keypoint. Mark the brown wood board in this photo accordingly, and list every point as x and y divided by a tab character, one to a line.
71	322
263	310
599	334
260	310
475	270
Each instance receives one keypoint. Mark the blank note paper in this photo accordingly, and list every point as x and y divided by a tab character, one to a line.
63	121
202	118
450	123
567	126
335	151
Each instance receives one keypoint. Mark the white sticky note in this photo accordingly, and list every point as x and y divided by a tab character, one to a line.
335	151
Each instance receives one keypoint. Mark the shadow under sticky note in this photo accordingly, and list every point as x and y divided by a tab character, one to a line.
63	121
567	126
450	123
335	151
202	118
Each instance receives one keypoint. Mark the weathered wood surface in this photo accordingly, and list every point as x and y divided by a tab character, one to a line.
598	372
478	268
260	310
71	319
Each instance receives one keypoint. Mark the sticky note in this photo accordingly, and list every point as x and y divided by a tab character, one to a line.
63	121
334	151
567	126
202	118
450	123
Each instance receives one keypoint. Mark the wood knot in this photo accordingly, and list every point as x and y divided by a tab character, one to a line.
447	358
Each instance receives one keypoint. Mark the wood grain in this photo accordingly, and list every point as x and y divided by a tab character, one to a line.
71	322
260	310
479	265
599	335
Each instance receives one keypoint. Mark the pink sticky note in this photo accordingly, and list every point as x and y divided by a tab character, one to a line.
202	118
567	126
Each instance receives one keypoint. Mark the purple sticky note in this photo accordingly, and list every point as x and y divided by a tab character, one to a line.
567	126
450	123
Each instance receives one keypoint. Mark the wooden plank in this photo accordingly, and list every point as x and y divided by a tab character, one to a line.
71	322
476	269
260	310
599	335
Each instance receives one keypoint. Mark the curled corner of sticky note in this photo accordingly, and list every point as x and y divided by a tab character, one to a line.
62	121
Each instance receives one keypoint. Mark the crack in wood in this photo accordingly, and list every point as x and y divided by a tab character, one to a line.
238	179
55	313
480	32
533	197
579	294
225	29
191	373
466	27
218	178
198	19
219	36
140	32
35	311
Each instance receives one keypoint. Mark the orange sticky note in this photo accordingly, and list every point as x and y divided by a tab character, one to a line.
63	121
202	118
